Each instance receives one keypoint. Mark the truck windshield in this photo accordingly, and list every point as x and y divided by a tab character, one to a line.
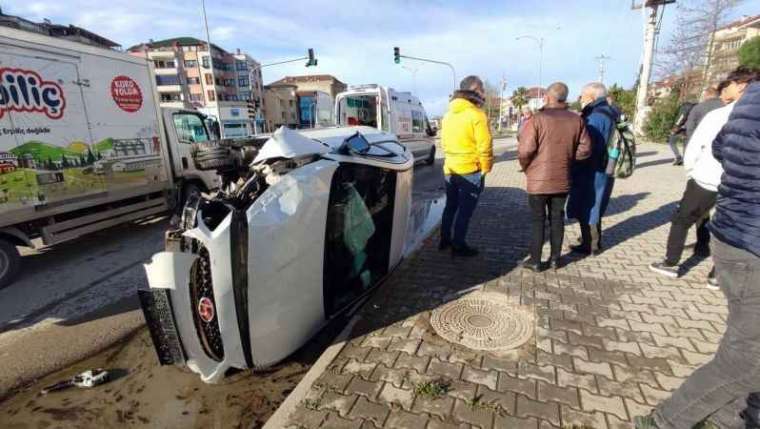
190	128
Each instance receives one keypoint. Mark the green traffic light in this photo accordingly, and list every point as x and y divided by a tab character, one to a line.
397	60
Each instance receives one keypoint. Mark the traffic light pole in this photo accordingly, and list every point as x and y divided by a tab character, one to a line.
453	71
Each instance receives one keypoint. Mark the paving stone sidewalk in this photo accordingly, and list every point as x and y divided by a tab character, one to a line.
611	338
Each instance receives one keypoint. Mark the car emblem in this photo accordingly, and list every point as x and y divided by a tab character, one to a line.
206	309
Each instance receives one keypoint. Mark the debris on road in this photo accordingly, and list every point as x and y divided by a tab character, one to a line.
84	380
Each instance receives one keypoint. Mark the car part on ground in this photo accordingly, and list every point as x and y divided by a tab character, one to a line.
300	230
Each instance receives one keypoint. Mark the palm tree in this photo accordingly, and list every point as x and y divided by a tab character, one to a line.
520	97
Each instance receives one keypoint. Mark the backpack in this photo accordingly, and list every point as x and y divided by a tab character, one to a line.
623	142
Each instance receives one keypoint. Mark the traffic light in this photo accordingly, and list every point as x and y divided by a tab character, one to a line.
312	61
396	55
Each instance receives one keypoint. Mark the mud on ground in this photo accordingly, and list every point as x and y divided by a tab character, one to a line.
143	394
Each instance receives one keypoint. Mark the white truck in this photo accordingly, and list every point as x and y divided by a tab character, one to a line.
386	109
84	144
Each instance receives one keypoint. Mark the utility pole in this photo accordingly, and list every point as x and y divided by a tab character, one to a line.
540	41
503	87
602	66
213	72
651	12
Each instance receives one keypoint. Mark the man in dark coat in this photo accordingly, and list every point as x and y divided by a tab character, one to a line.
734	372
591	186
549	146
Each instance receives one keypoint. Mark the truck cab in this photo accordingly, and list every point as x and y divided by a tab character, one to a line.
386	109
185	131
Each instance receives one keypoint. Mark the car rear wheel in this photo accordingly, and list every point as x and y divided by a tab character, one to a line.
10	262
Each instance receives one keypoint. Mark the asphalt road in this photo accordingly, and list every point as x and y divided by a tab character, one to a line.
78	298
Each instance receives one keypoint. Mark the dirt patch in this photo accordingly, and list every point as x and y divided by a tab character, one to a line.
146	395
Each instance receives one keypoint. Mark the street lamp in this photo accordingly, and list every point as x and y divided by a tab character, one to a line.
540	41
413	71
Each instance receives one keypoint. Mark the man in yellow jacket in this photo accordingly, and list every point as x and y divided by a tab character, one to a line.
468	149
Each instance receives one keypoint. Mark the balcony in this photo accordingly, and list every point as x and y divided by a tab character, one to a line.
166	71
163	89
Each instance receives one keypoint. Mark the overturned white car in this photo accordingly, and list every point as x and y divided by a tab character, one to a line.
302	229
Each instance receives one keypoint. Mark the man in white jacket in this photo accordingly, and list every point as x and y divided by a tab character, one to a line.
704	173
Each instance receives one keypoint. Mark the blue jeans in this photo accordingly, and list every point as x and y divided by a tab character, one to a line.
462	193
734	372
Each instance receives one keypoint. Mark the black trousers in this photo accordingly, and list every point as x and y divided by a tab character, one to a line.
694	209
541	207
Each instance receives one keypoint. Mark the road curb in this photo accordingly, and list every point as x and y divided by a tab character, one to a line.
280	417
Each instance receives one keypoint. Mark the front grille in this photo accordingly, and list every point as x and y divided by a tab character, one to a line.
201	287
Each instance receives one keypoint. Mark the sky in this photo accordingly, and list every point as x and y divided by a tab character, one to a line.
354	40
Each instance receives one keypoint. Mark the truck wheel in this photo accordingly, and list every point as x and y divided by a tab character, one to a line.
10	262
431	158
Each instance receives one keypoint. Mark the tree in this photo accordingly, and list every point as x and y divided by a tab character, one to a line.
749	53
689	52
520	97
662	117
624	98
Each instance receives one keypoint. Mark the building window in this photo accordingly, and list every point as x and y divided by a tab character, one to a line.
241	66
167	80
194	80
191	63
209	79
205	62
245	95
164	64
170	97
211	95
290	103
283	115
244	82
196	97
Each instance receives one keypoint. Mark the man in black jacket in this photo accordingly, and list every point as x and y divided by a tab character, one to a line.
734	372
679	130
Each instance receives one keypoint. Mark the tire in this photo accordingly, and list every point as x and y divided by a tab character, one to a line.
213	158
10	262
189	189
431	157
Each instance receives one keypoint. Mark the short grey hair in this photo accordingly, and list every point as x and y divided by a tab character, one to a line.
470	83
597	89
558	91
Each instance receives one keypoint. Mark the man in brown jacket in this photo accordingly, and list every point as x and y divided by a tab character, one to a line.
548	146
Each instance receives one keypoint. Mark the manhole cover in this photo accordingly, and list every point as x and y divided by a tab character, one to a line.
483	321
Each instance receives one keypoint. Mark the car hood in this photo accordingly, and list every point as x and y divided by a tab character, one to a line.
286	143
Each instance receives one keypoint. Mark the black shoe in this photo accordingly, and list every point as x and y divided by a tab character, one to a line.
444	244
664	269
555	264
583	249
712	281
645	422
531	266
678	162
464	251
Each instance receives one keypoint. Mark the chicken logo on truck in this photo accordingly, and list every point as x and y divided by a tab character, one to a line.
25	91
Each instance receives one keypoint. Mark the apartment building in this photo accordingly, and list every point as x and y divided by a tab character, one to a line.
68	32
725	47
280	106
320	82
185	79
